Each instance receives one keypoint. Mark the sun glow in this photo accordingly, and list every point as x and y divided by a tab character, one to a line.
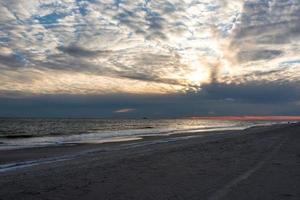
198	76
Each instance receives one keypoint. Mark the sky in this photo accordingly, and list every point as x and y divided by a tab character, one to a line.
149	58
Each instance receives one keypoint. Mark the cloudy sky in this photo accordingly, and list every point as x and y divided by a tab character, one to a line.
169	58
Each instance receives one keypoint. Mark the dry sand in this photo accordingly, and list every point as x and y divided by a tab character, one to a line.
257	163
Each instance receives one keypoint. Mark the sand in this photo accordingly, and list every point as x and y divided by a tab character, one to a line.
257	163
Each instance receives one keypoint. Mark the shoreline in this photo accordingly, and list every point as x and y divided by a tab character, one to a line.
256	163
93	138
19	158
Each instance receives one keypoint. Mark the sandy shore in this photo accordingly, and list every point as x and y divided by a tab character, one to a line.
257	163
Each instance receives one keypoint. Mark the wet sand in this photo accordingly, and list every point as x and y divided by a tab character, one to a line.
257	163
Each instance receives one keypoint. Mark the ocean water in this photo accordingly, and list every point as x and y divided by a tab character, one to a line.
26	133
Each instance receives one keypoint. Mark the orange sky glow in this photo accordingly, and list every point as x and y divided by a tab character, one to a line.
251	118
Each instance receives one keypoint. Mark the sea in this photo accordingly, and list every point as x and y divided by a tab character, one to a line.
19	133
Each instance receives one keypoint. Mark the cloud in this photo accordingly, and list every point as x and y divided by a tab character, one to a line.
12	60
102	47
149	105
267	30
124	110
253	92
254	55
81	52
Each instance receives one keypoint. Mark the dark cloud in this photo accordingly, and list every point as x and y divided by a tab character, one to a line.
149	65
254	92
219	99
253	55
12	61
284	31
77	51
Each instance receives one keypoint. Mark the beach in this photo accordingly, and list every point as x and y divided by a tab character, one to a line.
257	163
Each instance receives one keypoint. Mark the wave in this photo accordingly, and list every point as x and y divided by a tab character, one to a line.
93	135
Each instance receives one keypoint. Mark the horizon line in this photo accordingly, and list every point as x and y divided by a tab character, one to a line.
224	117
